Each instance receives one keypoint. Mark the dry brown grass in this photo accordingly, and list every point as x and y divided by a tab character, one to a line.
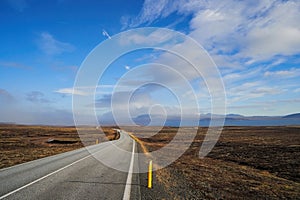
247	162
19	143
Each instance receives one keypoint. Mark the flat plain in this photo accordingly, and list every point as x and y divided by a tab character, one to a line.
246	163
21	143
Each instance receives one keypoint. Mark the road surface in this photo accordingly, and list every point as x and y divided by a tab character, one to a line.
75	175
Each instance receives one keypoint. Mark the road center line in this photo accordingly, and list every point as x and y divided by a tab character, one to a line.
37	180
127	190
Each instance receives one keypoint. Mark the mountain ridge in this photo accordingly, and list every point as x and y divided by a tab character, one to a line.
229	119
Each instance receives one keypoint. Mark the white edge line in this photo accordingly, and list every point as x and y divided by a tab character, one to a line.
53	156
127	190
37	180
40	159
88	148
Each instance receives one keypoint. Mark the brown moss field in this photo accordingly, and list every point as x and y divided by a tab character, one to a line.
246	163
20	143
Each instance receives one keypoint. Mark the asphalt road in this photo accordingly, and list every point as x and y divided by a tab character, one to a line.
76	174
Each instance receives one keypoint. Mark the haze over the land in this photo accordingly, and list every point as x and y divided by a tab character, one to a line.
255	44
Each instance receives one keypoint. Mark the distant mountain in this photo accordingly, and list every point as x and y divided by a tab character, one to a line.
142	120
229	120
218	116
234	116
296	115
210	115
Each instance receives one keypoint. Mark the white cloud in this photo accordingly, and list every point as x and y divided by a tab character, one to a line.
258	29
246	39
14	65
127	67
152	9
251	90
278	32
51	46
283	73
104	33
138	104
85	91
72	91
297	90
147	37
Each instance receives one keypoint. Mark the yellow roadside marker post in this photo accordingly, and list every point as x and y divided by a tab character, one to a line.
150	174
97	141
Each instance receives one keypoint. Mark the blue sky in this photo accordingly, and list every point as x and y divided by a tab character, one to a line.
255	44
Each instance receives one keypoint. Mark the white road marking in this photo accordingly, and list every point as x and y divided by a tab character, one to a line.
128	182
40	159
89	148
37	180
127	190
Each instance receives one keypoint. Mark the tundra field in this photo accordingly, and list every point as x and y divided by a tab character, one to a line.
20	143
246	163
